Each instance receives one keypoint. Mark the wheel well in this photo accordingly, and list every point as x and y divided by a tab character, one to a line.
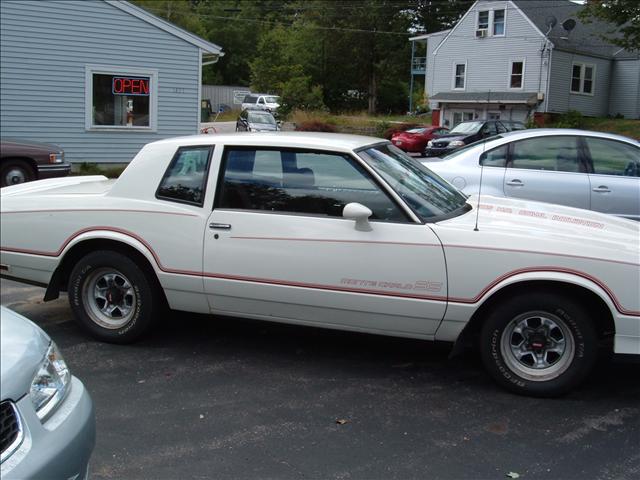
30	161
60	277
605	325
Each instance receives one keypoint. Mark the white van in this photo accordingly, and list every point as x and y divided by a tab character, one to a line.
262	101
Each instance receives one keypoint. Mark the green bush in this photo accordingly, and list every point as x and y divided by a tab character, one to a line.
315	126
571	119
94	169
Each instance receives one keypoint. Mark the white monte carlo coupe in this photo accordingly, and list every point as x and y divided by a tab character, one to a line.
334	231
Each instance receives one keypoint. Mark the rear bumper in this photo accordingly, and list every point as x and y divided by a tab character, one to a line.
58	448
55	170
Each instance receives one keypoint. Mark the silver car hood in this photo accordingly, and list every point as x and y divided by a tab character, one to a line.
23	346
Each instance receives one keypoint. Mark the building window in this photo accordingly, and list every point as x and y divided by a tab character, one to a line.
120	98
483	20
492	20
582	78
498	22
459	77
516	78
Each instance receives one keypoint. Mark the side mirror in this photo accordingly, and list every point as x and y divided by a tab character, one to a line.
359	213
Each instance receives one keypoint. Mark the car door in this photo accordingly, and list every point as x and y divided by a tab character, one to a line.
614	176
548	169
279	248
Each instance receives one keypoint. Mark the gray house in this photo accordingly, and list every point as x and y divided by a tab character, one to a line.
100	78
518	59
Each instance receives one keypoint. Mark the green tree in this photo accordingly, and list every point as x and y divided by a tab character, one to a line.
624	15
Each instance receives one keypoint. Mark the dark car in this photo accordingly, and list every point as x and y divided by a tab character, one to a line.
23	160
468	132
415	139
252	120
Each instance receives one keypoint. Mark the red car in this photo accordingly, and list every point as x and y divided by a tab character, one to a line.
415	139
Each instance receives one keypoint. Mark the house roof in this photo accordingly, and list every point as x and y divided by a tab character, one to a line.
584	38
189	37
486	97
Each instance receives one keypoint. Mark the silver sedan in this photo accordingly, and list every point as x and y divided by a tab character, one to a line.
46	415
577	168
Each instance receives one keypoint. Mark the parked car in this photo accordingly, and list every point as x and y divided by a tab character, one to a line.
262	101
468	132
591	170
415	139
256	121
23	160
335	231
46	415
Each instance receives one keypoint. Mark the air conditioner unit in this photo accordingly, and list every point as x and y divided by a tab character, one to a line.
481	33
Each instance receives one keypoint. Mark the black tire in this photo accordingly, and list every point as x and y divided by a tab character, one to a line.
106	280
539	344
14	172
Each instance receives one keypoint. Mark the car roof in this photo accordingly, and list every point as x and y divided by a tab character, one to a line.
309	140
541	132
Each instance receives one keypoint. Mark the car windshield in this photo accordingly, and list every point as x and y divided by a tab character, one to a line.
416	130
261	117
467	127
273	99
430	197
460	150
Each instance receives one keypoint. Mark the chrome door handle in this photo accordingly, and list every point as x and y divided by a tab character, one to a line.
515	183
219	226
602	189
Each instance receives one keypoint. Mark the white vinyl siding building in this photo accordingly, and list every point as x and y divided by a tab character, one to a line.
99	78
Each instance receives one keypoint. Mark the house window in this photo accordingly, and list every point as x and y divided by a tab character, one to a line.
498	22
483	20
582	78
492	20
120	98
460	74
517	75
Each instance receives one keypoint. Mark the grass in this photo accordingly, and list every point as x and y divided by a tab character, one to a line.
620	126
95	169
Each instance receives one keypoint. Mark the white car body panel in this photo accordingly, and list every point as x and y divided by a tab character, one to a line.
411	280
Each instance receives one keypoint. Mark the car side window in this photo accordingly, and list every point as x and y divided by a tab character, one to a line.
185	178
554	153
496	157
301	182
489	129
611	157
261	100
501	128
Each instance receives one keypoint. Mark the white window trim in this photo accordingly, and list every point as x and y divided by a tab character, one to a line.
90	70
510	73
491	21
582	78
453	81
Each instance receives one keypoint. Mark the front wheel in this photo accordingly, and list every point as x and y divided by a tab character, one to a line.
539	344
112	298
14	172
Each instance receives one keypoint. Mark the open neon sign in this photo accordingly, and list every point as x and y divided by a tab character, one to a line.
130	86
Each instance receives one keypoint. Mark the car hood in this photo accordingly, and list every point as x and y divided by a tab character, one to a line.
451	136
23	346
263	126
552	227
29	143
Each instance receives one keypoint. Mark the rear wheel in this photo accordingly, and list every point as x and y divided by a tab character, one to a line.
112	298
539	344
14	172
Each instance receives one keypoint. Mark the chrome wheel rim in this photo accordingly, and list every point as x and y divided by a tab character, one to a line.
15	176
110	298
537	346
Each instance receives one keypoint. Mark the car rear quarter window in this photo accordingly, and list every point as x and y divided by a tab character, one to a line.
301	182
559	154
611	157
185	178
496	157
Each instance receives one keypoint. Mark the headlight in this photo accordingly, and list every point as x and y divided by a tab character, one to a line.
50	384
429	144
456	143
56	157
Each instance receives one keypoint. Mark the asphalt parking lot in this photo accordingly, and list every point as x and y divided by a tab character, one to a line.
210	397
